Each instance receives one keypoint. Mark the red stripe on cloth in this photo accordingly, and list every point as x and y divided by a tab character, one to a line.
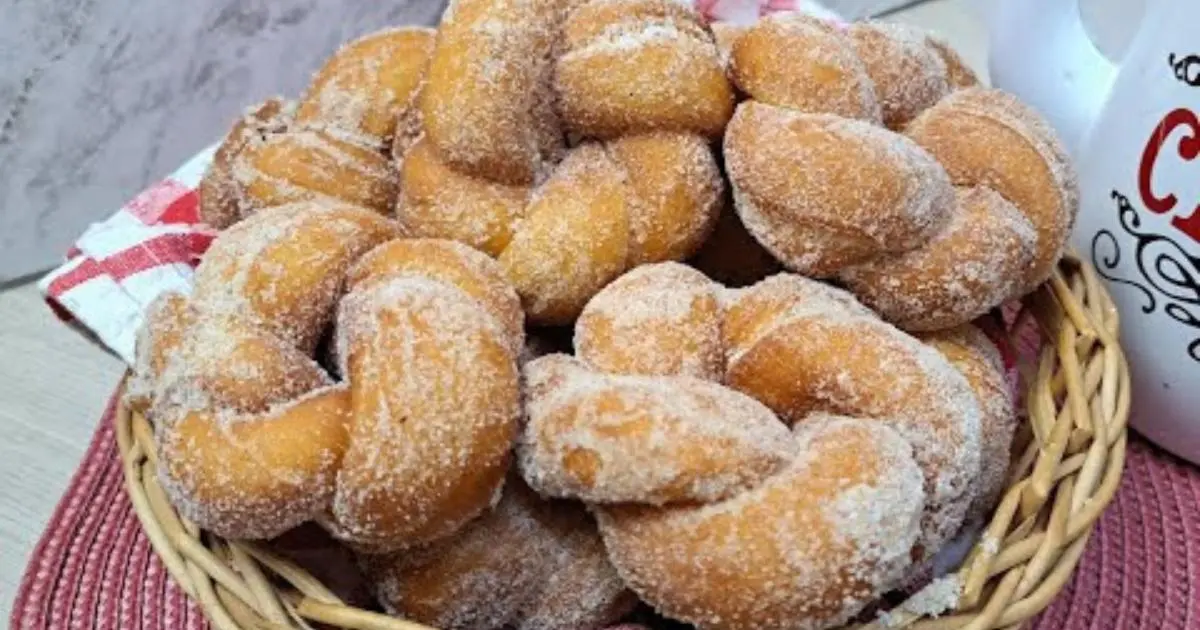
150	205
165	249
185	209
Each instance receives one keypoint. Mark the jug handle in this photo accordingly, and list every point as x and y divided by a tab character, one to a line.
1045	47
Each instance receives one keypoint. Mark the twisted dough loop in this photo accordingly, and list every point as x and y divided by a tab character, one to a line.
527	564
675	481
257	438
897	234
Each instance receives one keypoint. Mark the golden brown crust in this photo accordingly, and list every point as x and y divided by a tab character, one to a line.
817	221
283	267
526	563
306	165
367	85
973	354
835	527
672	311
223	199
802	63
987	137
439	202
908	73
556	266
486	105
641	65
974	263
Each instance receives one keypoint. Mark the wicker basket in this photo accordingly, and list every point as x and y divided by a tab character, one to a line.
1070	455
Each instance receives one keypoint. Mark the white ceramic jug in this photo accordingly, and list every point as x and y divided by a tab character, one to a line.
1134	129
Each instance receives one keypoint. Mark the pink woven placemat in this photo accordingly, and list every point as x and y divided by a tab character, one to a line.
94	568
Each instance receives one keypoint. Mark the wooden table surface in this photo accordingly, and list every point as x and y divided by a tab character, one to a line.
54	383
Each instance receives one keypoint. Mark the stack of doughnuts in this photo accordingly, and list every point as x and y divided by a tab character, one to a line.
571	304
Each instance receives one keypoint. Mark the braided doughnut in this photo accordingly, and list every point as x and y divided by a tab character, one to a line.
527	564
632	66
256	438
896	234
486	104
621	430
369	85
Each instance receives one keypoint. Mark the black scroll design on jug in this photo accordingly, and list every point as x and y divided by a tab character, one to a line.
1169	275
1187	68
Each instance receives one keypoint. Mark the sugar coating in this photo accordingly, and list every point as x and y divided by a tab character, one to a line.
367	85
937	597
800	62
654	440
486	105
283	267
527	563
908	73
658	319
983	136
455	264
229	474
678	189
801	190
303	164
435	401
223	199
975	263
806	549
800	360
971	352
439	202
661	70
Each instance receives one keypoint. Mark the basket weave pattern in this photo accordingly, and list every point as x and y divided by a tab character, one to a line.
1069	455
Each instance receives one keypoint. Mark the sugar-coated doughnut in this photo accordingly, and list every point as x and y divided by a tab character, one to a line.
574	238
439	202
365	88
826	355
807	548
455	264
671	309
429	446
803	63
973	354
731	256
527	563
305	164
223	199
678	190
908	73
486	105
802	188
614	439
283	267
976	261
987	137
633	66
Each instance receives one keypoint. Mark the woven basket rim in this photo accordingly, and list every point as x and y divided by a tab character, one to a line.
1077	396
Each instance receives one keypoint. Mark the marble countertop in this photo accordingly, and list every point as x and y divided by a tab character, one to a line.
53	383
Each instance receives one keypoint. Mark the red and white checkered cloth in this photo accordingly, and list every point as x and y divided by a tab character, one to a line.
152	244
